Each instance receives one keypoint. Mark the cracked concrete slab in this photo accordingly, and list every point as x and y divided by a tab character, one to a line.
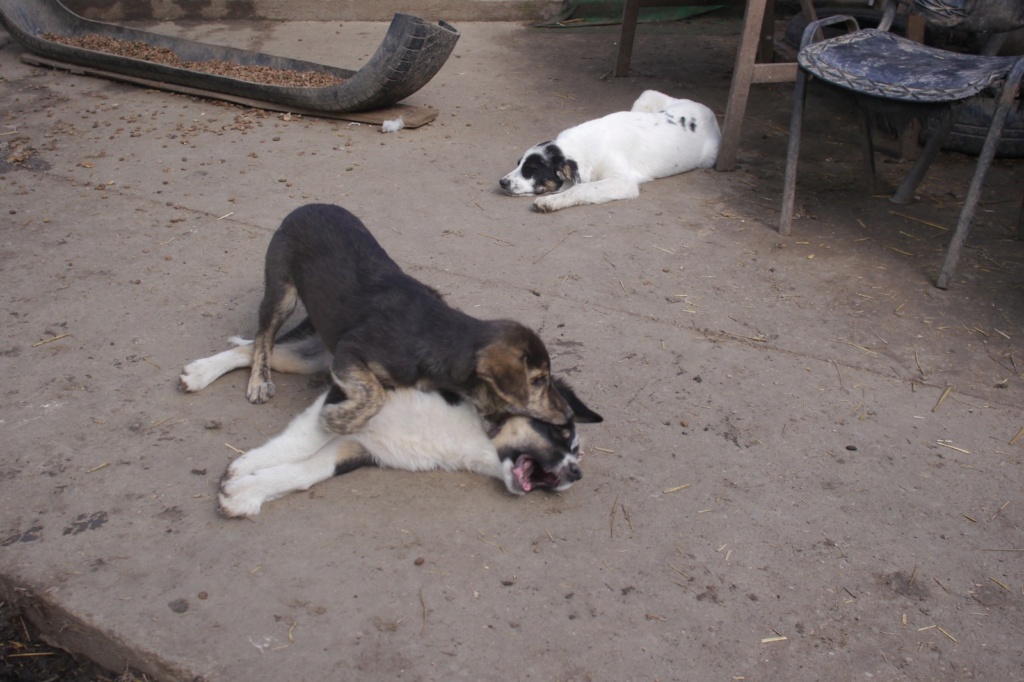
782	488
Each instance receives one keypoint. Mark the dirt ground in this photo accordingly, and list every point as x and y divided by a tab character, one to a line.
783	487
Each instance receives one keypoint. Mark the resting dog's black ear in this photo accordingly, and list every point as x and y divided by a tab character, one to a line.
583	414
569	171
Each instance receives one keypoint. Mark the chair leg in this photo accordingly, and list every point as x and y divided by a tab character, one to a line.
1020	221
630	16
905	192
792	154
988	152
868	151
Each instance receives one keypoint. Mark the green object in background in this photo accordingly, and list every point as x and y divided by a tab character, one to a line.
607	12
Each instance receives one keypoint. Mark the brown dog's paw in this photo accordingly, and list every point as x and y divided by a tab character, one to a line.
260	391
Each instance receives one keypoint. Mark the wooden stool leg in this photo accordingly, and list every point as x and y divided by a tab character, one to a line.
739	89
630	15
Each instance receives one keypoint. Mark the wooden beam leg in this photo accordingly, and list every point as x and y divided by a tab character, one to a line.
739	89
630	16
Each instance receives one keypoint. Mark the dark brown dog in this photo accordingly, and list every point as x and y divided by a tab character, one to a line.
386	329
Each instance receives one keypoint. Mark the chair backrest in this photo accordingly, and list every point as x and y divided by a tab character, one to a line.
978	16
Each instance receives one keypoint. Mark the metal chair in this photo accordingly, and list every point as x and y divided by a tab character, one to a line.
890	73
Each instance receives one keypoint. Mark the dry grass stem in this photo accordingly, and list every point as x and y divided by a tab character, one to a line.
229	445
942	398
1013	441
893	248
1005	587
866	350
676	489
50	340
953	447
625	514
776	638
423	605
918	220
493	544
611	517
679	571
838	373
568	234
106	464
499	240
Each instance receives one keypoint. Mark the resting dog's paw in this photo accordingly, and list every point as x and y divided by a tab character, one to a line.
260	391
241	496
545	204
198	375
241	466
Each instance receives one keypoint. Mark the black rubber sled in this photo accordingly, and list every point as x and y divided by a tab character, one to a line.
412	53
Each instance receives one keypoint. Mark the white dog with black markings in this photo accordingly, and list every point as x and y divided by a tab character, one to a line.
607	159
415	430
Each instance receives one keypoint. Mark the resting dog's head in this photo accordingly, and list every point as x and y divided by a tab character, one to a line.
543	169
536	455
515	376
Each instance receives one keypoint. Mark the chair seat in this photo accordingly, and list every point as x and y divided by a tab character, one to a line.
883	64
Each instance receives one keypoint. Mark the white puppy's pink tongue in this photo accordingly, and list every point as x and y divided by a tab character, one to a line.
522	471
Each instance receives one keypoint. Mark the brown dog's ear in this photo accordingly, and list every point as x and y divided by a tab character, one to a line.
583	414
503	368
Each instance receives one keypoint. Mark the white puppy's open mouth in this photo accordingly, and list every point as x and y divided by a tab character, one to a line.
529	475
526	474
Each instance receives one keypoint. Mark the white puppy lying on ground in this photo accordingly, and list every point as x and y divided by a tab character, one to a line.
414	430
608	158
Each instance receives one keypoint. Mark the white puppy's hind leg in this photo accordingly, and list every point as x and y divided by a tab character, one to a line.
652	101
295	356
201	373
244	495
300	439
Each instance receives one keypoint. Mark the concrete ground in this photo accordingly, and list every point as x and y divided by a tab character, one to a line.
783	487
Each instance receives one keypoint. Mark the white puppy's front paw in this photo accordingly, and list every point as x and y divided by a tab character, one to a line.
242	496
547	203
241	466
